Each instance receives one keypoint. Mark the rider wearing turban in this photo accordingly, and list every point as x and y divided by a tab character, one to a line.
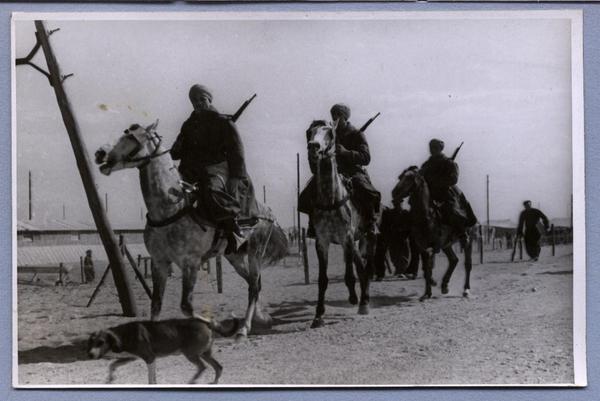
441	174
352	155
212	155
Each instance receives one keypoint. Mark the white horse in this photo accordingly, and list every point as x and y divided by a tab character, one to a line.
336	220
173	234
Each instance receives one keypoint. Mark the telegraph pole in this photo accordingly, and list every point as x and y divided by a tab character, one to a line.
487	191
109	241
30	200
298	198
264	194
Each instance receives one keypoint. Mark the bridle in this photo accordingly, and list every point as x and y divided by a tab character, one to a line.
156	142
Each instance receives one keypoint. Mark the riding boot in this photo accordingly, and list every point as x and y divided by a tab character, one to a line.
235	238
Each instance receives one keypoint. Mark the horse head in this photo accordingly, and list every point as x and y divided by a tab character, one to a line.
320	137
134	148
412	183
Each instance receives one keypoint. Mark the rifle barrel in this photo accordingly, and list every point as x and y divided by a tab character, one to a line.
366	125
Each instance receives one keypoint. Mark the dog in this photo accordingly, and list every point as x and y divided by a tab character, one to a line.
149	340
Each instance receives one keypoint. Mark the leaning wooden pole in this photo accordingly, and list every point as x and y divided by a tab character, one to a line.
109	241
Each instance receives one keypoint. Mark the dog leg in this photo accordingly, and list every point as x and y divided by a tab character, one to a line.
114	365
195	359
151	372
215	365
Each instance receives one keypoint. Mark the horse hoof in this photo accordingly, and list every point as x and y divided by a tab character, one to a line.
262	322
317	322
353	299
444	289
424	297
466	293
433	283
363	309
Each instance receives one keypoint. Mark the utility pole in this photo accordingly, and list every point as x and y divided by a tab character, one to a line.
30	200
487	191
109	241
298	198
264	194
64	212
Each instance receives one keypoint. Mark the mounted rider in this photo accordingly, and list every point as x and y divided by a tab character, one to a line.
352	155
212	157
441	174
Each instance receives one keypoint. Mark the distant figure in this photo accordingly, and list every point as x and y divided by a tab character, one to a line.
88	267
529	218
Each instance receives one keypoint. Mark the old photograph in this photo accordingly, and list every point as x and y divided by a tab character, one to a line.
298	199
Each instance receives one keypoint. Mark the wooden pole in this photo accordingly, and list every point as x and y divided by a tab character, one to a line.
104	275
81	267
553	239
83	164
64	212
138	274
30	199
219	268
487	202
480	245
264	194
298	199
305	257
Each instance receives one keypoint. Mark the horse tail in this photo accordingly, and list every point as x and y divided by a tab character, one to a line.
276	246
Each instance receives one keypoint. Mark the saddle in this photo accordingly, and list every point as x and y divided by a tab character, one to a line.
454	211
200	213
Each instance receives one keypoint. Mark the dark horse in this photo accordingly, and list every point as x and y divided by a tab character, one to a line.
426	226
336	220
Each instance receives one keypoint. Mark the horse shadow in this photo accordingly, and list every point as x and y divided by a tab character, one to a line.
67	353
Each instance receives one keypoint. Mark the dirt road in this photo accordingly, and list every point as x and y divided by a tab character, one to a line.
515	328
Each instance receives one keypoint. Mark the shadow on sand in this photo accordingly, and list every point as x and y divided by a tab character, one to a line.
61	354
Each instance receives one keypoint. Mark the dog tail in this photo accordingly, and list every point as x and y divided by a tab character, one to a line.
226	328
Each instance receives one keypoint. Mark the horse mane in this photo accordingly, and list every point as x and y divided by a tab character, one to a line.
411	168
313	125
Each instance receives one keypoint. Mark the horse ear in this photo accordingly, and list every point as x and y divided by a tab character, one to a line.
152	126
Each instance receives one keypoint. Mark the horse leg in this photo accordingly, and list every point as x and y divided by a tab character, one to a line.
322	248
468	248
452	262
238	262
363	277
349	277
188	282
427	266
160	272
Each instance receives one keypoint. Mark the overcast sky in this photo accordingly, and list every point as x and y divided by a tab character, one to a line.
503	86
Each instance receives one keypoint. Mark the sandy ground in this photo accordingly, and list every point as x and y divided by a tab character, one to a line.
515	328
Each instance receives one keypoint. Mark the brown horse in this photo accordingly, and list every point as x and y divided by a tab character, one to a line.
173	234
425	226
336	220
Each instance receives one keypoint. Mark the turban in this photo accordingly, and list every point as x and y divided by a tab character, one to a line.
436	143
341	109
201	90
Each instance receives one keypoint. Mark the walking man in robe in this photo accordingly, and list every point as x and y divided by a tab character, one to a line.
528	228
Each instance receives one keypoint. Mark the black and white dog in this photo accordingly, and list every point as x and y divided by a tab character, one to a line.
149	340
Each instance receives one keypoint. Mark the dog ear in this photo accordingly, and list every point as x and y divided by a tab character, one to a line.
114	341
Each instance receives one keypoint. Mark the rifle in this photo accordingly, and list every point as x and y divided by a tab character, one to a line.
364	127
238	113
456	151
